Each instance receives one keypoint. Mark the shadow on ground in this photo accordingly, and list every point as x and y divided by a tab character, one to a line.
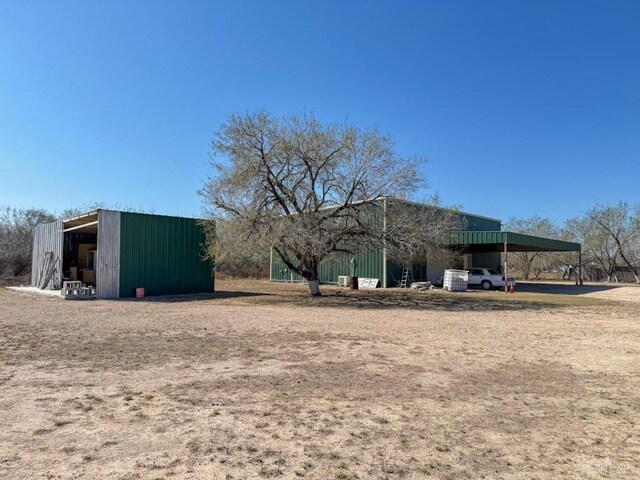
529	296
378	300
194	297
562	289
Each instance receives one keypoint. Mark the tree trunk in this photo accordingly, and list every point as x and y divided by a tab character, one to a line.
526	266
633	270
314	282
314	288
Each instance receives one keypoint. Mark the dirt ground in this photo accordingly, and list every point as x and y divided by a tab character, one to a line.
260	381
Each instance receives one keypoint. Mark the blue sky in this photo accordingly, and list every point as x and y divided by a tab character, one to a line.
522	108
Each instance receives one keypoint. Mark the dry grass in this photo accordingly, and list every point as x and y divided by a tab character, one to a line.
259	381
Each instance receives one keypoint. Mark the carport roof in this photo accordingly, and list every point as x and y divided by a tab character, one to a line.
516	242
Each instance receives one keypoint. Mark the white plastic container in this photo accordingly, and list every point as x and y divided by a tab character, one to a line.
455	280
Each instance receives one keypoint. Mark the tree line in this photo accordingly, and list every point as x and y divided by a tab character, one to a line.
16	240
610	238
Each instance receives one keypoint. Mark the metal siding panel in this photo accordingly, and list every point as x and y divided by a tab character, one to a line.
184	258
172	232
163	255
48	237
182	230
278	268
394	273
369	266
523	240
475	223
168	230
487	260
419	268
37	255
108	263
177	231
180	256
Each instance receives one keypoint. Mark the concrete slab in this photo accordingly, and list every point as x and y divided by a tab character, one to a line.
37	291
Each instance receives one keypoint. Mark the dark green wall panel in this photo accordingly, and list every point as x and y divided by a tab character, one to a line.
487	260
369	266
475	223
164	255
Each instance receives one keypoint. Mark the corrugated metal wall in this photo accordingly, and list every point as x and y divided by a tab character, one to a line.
394	270
487	260
475	223
369	266
280	272
164	255
108	263
47	238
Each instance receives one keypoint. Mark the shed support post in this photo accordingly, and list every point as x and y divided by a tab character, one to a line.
506	268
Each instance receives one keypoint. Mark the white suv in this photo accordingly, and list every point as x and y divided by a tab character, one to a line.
488	278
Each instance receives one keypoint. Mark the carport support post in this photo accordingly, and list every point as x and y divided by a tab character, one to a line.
506	270
580	266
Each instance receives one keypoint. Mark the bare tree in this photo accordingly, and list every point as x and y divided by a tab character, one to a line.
235	251
306	188
622	223
527	262
16	238
91	206
413	230
597	244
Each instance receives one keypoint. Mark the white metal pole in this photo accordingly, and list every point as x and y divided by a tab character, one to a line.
384	248
506	269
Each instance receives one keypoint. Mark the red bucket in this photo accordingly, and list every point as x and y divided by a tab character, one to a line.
139	292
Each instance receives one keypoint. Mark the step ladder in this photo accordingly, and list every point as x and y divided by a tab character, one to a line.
407	277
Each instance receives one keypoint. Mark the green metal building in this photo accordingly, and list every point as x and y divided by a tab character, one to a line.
482	244
119	252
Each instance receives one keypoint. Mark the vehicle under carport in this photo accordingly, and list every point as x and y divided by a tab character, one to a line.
474	242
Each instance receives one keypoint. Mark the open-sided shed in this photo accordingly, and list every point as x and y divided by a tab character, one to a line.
119	252
486	242
500	241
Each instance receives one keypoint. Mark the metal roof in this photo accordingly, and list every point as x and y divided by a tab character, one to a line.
422	204
413	202
516	242
88	222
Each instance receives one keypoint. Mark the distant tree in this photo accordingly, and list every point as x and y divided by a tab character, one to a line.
89	207
622	223
528	262
16	238
310	189
598	246
234	252
568	262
